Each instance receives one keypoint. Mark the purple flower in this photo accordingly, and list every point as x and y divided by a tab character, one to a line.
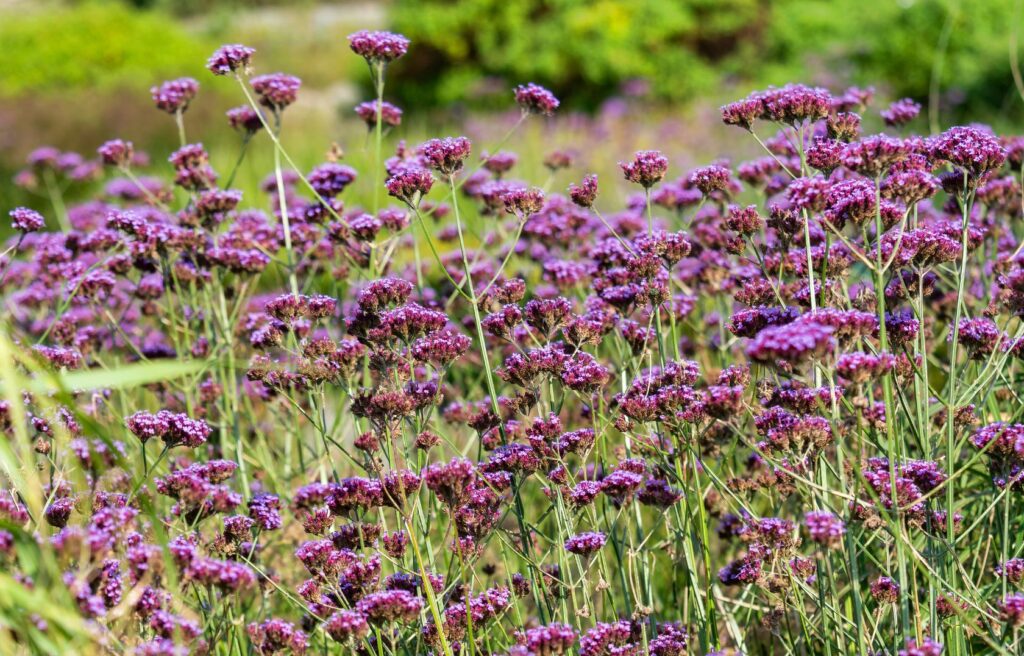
331	178
926	647
901	112
792	345
552	640
585	544
230	59
276	90
116	153
710	179
535	99
585	193
972	151
174	96
390	606
884	590
410	185
276	636
445	155
1011	609
824	528
244	119
647	168
25	220
390	115
608	638
347	625
378	47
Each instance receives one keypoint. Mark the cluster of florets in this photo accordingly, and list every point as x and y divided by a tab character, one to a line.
173	428
276	90
378	47
230	59
647	168
385	112
174	96
535	99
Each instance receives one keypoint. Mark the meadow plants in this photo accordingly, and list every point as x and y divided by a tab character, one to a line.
769	407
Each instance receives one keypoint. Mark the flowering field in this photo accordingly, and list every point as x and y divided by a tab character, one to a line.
426	407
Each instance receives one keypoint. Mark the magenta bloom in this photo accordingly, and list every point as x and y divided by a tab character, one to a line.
25	220
230	59
535	99
174	96
390	115
244	119
276	90
585	544
901	112
824	528
446	155
647	168
116	153
378	47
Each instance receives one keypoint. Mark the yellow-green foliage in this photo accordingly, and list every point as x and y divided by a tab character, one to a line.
686	48
92	45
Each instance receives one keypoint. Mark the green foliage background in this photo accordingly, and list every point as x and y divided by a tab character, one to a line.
93	45
687	49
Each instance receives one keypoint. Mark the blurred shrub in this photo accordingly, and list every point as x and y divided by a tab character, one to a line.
92	45
685	48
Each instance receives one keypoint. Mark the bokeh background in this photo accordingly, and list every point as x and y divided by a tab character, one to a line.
631	73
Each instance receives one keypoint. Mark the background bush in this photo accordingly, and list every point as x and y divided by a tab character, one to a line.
686	49
92	45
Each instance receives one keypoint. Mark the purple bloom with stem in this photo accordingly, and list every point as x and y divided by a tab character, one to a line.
535	99
276	91
25	220
378	47
174	96
230	59
647	168
585	544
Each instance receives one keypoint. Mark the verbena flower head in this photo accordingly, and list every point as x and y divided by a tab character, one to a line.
390	115
647	168
25	220
446	155
824	528
244	119
535	99
378	47
901	112
585	193
230	59
276	90
973	152
117	153
585	544
174	96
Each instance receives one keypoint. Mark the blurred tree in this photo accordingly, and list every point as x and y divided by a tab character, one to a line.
585	49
